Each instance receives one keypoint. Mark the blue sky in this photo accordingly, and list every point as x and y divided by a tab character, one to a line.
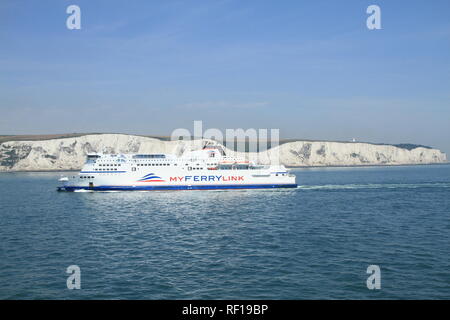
310	68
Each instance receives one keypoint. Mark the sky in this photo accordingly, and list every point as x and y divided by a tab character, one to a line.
309	68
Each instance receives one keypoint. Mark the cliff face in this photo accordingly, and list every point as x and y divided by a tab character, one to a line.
70	153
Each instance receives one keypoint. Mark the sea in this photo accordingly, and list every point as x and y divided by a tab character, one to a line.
319	241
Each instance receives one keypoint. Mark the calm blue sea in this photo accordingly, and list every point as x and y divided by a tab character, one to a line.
314	242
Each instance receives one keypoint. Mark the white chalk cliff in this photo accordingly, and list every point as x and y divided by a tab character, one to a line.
70	153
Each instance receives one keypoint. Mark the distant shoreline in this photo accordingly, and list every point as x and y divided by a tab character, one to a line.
289	167
372	165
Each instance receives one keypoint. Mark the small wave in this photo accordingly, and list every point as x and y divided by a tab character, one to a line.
376	186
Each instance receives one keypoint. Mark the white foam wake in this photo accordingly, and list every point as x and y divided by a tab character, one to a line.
377	186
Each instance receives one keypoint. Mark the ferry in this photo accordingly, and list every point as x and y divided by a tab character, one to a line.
208	168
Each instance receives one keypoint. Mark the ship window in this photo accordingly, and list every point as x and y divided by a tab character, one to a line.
149	156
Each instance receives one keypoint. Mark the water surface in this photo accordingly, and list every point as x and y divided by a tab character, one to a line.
313	242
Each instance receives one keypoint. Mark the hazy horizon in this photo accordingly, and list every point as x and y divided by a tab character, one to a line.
311	69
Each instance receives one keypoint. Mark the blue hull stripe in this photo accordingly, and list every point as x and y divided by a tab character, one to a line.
199	187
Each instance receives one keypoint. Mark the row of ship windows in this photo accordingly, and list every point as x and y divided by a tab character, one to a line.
87	177
146	164
107	169
154	164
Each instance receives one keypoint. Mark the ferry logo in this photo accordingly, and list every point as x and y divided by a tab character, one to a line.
207	178
151	177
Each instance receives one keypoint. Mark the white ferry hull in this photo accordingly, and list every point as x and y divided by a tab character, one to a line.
199	171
